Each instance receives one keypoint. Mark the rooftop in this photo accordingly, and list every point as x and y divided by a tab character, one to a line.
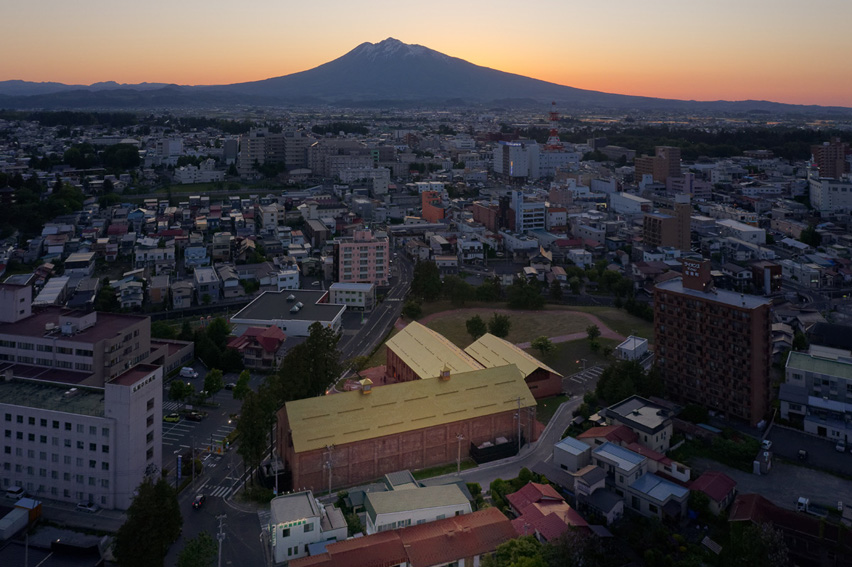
490	351
623	458
135	374
273	306
291	507
353	416
639	412
427	352
809	363
108	325
572	446
53	397
658	488
393	501
724	296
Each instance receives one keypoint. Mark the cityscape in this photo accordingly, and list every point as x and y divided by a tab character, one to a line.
404	309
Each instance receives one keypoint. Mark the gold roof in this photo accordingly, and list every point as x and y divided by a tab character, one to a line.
427	352
492	351
348	417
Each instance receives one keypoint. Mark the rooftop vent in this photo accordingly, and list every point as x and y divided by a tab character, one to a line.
366	386
445	373
291	298
294	309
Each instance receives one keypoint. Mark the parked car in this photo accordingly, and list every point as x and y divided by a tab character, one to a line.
840	447
199	501
172	418
803	455
187	372
766	444
230	386
196	415
89	507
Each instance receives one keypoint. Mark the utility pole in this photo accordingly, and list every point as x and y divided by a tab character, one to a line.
519	424
328	464
220	536
459	438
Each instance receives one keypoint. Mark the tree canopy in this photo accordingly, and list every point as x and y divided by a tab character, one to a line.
199	551
309	368
476	327
499	325
153	523
426	281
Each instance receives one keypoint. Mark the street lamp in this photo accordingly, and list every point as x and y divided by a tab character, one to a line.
459	438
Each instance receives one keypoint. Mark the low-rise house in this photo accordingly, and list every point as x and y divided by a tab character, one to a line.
131	294
650	421
195	256
298	520
260	347
221	247
718	487
541	512
207	285
158	289
412	506
230	281
182	293
653	495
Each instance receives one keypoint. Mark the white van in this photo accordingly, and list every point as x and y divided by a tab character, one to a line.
187	372
14	492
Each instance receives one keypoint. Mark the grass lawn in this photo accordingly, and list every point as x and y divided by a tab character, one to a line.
566	358
546	408
443	469
525	326
379	357
619	320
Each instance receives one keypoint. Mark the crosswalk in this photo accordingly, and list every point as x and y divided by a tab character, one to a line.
221	492
582	380
168	407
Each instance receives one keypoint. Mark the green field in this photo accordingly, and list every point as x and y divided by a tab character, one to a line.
619	321
567	358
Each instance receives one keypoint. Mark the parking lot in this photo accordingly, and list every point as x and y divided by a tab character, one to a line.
822	455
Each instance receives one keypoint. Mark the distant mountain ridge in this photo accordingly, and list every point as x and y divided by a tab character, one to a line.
386	73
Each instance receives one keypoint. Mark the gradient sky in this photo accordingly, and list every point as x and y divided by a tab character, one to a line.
795	51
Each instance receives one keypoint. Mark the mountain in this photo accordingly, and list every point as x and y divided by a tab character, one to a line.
388	73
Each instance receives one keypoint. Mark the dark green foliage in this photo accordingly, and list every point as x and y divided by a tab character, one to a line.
457	290
120	157
625	378
756	545
542	344
426	281
499	325
694	413
180	391
593	332
489	290
800	341
242	388
256	417
106	299
810	236
199	551
153	523
412	310
555	290
476	327
213	381
524	551
523	294
162	330
309	368
639	309
186	333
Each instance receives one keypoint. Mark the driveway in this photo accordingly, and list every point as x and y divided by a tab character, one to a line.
785	483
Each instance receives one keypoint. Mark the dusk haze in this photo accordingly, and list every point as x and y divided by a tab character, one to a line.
783	51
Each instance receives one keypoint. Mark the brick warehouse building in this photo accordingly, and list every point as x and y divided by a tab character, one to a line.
419	353
359	436
713	345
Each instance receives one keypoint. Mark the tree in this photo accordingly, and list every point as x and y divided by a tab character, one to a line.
523	294
457	290
800	341
810	236
199	551
180	391
542	344
524	551
555	290
593	332
106	299
252	427
412	310
758	545
358	363
426	281
242	388
213	381
186	333
499	325
162	330
574	283
476	327
309	368
153	523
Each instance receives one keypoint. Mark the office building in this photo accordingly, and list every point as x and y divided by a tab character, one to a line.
832	158
669	227
713	345
663	164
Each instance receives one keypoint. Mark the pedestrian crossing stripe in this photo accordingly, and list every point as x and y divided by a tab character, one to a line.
221	491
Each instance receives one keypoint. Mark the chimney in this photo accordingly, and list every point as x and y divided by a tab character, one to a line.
445	373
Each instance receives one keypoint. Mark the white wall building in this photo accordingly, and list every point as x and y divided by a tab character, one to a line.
741	231
298	520
357	296
83	444
413	506
830	195
517	159
627	204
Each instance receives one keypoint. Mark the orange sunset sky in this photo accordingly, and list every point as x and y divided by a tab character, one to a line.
782	50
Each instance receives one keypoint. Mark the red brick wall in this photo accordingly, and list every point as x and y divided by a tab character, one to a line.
544	384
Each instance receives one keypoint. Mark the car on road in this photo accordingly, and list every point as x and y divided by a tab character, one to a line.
315	284
199	501
187	372
172	418
766	444
230	386
89	507
803	455
840	447
196	415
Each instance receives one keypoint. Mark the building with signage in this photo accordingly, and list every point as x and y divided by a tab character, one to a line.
298	520
713	346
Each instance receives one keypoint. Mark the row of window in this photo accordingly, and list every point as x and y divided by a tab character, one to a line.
47	348
54	491
42	422
54	475
54	458
55	441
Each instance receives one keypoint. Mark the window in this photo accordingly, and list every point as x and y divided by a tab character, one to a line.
19	435
104	448
105	431
104	466
31	420
19	418
55	424
79	461
149	454
67	443
285	532
43	422
150	404
67	426
9	433
150	437
309	528
150	421
93	446
81	445
42	439
93	464
653	509
93	430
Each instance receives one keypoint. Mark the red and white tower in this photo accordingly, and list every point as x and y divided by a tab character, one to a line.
553	141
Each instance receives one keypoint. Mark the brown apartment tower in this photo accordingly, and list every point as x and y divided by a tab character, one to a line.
830	158
713	345
663	164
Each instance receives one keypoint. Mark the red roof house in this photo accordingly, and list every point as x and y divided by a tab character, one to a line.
541	511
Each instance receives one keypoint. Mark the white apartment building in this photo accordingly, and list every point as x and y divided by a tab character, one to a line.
204	173
358	296
517	159
79	443
628	204
830	195
529	214
470	250
741	231
288	278
298	520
